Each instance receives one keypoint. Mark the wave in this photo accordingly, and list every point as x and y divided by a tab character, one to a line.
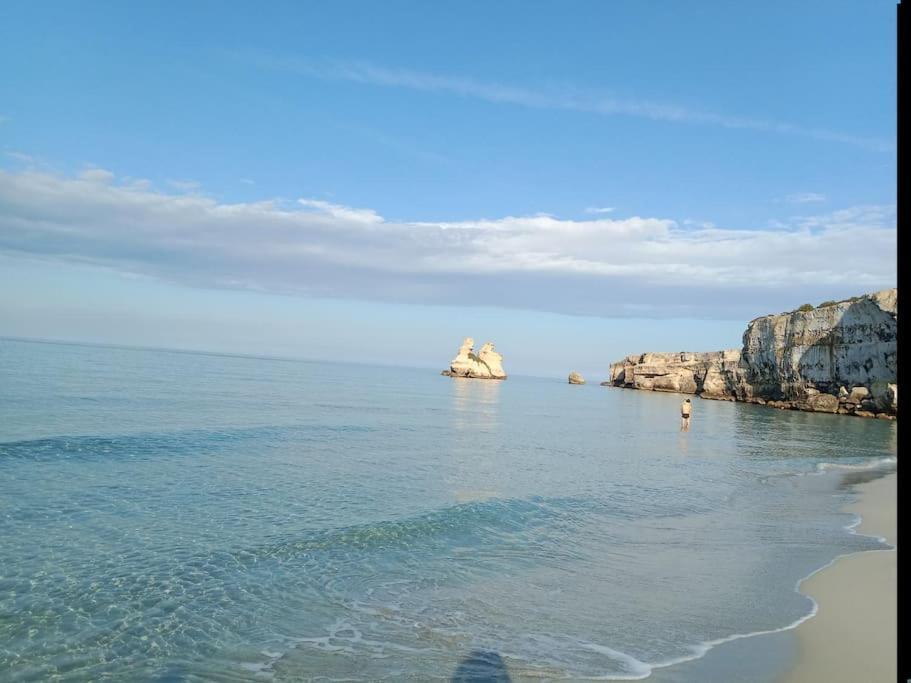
487	520
493	517
876	463
887	463
157	443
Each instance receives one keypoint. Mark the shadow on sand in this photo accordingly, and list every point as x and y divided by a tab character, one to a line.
481	666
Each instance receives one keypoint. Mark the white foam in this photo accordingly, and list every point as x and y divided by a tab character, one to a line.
639	668
871	465
823	467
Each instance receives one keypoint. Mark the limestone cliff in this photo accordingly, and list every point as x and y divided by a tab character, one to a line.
837	357
850	343
486	364
683	372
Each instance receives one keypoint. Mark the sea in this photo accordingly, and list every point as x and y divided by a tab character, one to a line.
178	516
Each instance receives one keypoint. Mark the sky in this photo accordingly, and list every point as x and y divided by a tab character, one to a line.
372	182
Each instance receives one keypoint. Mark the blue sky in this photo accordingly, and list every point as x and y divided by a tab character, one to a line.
580	179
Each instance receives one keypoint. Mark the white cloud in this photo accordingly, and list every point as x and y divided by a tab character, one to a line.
248	181
96	175
805	198
184	185
567	97
597	209
342	212
600	266
136	183
21	157
689	222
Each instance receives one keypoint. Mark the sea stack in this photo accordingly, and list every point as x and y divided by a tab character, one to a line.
486	364
576	378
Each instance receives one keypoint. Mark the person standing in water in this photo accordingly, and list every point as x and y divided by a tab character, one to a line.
686	408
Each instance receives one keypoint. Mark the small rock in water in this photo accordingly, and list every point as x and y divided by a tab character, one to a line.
576	378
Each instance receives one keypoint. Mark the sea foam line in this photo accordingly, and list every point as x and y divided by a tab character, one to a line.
872	465
823	467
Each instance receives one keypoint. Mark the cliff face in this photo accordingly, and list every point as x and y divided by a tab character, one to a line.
836	358
708	374
850	343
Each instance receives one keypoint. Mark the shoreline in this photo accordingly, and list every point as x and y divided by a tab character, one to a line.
852	635
787	405
846	636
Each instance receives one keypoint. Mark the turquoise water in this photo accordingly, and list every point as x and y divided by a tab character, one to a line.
176	516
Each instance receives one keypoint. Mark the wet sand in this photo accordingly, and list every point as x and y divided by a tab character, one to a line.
853	636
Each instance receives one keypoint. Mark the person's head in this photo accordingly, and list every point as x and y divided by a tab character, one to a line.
687	401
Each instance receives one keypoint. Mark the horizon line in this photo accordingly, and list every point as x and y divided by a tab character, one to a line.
227	354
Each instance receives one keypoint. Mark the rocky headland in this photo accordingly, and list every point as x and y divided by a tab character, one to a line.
485	364
839	357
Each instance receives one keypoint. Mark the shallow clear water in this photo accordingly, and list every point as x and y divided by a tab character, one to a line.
176	516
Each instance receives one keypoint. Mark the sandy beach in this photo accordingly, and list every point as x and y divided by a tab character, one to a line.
853	636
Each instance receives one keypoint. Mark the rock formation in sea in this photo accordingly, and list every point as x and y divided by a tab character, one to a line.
683	372
486	364
840	357
576	378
